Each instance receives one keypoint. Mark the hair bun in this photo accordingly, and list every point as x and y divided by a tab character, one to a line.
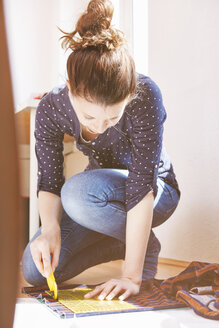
93	29
98	17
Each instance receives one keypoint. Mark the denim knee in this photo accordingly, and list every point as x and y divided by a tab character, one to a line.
74	196
70	188
30	271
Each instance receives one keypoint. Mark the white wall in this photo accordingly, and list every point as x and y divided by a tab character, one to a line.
36	58
140	35
37	61
69	12
183	60
33	49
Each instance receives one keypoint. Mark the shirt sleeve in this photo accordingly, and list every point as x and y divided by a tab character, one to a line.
148	115
49	148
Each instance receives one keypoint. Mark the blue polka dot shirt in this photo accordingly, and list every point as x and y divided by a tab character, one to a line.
135	143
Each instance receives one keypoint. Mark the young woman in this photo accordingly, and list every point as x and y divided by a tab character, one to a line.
108	211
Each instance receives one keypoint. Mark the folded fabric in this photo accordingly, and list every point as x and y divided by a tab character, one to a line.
198	287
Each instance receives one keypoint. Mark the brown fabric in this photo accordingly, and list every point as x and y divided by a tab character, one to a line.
198	287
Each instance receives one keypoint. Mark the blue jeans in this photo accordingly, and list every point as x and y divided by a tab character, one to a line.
93	224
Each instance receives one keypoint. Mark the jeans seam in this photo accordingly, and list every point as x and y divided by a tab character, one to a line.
110	203
112	191
114	207
170	192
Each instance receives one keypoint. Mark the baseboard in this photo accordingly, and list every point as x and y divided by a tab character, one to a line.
166	261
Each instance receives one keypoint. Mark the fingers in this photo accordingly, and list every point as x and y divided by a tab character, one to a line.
125	295
111	290
55	258
97	290
37	260
113	287
108	290
44	246
46	262
41	258
113	293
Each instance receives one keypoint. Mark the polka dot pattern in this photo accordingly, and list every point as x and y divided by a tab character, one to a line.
134	143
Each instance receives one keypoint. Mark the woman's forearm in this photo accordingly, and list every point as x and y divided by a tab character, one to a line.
138	227
49	210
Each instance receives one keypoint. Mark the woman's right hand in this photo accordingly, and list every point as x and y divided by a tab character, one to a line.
43	247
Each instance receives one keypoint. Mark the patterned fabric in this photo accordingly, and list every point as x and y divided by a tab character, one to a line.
196	274
197	286
146	300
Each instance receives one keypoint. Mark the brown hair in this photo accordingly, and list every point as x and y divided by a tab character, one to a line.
100	66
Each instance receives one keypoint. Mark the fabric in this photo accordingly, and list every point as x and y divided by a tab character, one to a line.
134	143
150	298
197	286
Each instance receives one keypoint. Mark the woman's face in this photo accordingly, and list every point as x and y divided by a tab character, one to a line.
97	118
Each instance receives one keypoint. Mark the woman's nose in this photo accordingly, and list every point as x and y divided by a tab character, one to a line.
102	126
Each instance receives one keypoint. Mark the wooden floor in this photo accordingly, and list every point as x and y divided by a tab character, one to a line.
102	272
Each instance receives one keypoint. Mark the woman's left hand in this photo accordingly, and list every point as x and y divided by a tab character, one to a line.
110	289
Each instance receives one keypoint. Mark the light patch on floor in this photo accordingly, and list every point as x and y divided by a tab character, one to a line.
30	313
